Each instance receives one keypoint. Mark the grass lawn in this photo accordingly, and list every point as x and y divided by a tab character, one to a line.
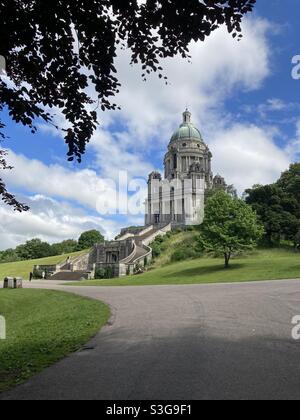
23	268
272	264
42	328
172	244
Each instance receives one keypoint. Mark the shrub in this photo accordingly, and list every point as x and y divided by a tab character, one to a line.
156	248
109	273
183	254
138	269
37	274
99	273
104	273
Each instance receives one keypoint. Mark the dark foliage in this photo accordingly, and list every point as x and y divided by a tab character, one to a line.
278	206
36	248
89	239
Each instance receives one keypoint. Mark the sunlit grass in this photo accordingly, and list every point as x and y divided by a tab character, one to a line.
268	264
42	328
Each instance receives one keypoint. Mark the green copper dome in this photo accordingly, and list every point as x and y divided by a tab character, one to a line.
187	131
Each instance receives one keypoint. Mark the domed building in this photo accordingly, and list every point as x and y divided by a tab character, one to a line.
179	197
173	201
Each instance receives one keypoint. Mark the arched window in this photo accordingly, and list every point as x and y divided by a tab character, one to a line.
175	162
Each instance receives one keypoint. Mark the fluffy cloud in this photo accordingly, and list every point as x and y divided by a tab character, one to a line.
248	155
116	152
218	66
49	220
84	187
293	147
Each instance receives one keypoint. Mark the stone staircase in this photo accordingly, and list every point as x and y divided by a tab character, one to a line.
142	253
70	275
139	253
83	266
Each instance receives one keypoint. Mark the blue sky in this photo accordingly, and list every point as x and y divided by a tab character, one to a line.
241	95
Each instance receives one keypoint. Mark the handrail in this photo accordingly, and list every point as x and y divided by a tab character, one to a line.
125	260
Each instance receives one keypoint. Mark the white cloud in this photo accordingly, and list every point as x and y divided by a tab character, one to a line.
64	202
116	152
248	155
293	147
49	220
219	66
83	186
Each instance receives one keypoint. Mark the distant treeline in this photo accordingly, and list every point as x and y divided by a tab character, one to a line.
36	248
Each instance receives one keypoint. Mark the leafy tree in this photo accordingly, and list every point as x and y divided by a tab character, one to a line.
89	239
8	255
37	249
290	181
65	247
229	226
33	249
229	189
55	50
277	209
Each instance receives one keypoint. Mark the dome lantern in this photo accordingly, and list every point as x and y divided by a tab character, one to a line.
187	131
187	116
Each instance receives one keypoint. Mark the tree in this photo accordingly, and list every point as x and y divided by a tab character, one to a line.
229	189
277	209
9	255
290	181
65	247
229	226
55	50
89	239
37	249
33	249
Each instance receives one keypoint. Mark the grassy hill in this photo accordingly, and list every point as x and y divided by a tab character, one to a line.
176	264
23	268
176	246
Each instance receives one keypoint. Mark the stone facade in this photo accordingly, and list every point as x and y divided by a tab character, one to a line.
113	252
179	198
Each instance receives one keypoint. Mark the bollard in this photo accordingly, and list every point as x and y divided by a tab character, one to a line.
8	283
13	283
18	283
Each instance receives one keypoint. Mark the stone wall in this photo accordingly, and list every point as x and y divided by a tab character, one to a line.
113	252
82	263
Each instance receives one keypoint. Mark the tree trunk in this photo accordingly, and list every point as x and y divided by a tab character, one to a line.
227	259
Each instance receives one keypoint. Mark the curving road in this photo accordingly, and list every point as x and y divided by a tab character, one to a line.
229	341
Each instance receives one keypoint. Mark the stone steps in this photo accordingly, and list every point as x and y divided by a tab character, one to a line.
138	254
70	275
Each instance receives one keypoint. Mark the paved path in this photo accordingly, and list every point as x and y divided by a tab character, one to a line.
183	342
